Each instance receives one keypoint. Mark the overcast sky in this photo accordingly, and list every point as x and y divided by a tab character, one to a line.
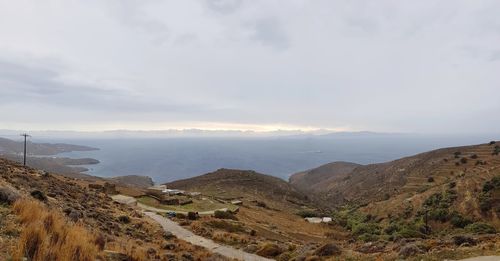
399	66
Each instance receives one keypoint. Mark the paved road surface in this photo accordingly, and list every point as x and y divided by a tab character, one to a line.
186	235
483	258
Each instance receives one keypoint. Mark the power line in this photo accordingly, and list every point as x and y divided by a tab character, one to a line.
25	135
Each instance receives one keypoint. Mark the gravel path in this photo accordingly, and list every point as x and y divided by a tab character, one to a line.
186	235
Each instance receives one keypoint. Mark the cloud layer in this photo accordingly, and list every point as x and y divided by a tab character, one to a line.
414	66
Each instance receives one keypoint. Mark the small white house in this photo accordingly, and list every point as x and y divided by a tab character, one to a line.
317	220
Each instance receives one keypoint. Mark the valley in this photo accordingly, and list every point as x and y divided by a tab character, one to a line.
442	204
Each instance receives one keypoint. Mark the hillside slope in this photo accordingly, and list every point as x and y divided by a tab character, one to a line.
404	185
37	208
243	184
315	179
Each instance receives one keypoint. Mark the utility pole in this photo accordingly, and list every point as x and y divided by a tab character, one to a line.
25	135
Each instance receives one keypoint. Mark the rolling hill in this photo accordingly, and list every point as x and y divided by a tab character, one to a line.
405	185
243	184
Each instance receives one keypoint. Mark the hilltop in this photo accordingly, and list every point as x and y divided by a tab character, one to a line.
243	184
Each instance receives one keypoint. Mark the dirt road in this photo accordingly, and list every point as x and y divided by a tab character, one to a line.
186	235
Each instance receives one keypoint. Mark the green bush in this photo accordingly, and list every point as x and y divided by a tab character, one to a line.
458	220
481	228
366	228
485	202
485	198
308	213
368	237
439	214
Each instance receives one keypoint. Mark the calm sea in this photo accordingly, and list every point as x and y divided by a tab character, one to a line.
177	158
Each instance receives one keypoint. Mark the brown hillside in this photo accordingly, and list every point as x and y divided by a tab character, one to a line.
314	179
243	184
44	216
396	186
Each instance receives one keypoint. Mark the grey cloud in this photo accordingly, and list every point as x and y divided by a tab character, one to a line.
422	67
21	83
270	32
223	6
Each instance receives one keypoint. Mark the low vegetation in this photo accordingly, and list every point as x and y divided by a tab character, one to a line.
47	235
486	199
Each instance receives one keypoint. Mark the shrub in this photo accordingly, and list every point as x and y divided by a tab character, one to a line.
366	228
496	150
457	154
460	240
439	214
124	219
492	142
463	160
224	215
368	237
430	179
269	250
458	220
409	232
328	249
485	202
192	215
308	213
227	226
452	184
39	195
481	228
474	156
180	215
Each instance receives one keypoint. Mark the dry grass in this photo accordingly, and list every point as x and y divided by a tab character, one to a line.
48	236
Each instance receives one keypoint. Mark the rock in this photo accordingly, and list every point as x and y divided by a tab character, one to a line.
328	249
252	248
464	241
8	195
74	215
151	251
410	250
187	256
169	246
39	195
168	235
169	257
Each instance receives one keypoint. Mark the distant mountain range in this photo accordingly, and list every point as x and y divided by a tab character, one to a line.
185	133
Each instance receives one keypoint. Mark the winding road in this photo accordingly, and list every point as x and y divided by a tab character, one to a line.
186	235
